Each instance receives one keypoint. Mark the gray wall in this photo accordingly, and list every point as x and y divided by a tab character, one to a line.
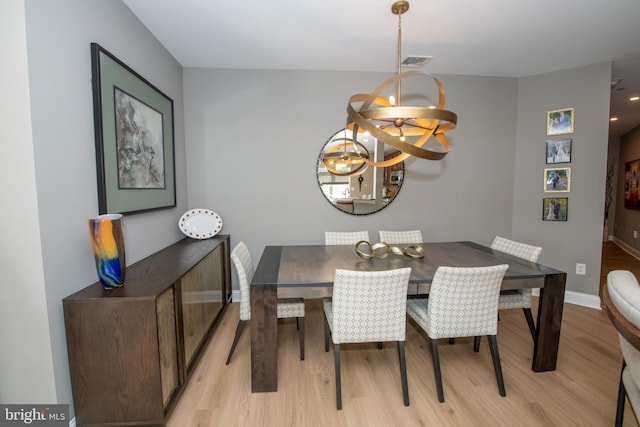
25	353
627	220
254	139
586	89
57	153
255	136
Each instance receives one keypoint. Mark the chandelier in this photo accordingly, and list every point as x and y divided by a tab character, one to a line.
347	158
402	127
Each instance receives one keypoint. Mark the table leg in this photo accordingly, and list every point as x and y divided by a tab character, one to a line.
550	306
264	338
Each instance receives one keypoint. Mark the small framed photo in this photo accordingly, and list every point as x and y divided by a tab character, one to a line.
560	122
558	151
557	180
555	209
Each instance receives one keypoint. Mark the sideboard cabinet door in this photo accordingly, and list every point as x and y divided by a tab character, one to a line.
114	359
202	299
167	344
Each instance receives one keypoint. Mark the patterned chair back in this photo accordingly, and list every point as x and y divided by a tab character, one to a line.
370	306
244	267
345	237
521	250
463	301
401	237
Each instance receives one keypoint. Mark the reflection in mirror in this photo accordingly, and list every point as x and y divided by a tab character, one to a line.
348	183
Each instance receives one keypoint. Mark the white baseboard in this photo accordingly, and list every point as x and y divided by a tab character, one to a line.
625	247
578	298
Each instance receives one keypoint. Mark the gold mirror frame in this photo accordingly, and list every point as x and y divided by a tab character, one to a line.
365	191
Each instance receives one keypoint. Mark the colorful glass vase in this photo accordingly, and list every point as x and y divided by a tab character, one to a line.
107	241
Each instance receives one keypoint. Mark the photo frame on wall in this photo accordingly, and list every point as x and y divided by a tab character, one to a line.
555	208
557	180
134	138
558	151
560	122
631	190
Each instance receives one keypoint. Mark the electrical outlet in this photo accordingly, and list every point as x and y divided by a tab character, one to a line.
581	269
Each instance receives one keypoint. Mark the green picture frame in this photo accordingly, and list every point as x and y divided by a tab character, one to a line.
134	138
555	208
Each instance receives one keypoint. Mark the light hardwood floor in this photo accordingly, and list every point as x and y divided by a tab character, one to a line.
581	392
616	258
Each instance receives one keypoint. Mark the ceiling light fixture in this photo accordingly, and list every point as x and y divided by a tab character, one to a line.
634	98
405	128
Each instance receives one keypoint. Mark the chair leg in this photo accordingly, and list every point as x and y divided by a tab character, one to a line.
621	399
532	326
476	343
403	373
327	332
493	345
239	329
452	340
300	321
436	368
336	353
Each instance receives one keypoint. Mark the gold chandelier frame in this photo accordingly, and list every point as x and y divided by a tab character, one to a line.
391	123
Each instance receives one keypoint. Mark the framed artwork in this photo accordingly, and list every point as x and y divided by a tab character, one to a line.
557	180
631	171
559	151
134	138
555	209
560	122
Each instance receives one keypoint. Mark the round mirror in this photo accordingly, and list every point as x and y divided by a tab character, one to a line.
348	182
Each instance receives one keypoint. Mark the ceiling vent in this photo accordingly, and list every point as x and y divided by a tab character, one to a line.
416	61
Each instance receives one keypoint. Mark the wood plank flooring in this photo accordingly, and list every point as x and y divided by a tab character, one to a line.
581	392
616	258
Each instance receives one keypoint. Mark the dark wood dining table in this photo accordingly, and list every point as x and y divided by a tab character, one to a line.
308	272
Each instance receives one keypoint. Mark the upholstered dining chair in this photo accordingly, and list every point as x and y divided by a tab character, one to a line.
367	306
463	302
345	237
519	298
286	308
400	237
621	299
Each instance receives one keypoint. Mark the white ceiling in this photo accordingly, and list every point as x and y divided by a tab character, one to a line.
505	38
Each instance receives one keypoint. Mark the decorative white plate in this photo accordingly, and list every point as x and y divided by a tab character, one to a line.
200	223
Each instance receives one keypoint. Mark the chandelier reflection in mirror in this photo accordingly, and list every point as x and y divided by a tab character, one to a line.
345	157
412	131
348	183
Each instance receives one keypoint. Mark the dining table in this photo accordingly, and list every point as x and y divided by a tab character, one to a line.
308	271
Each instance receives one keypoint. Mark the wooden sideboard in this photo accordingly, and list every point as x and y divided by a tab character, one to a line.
132	349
